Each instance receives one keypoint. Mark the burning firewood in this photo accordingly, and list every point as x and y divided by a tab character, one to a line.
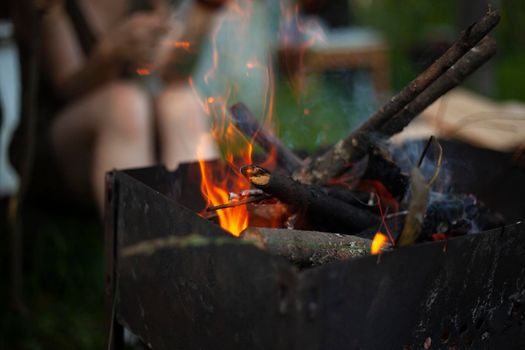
308	248
314	207
388	173
330	214
250	126
459	61
352	187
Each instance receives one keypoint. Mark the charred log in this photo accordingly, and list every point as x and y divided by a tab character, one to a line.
388	173
314	207
250	126
360	199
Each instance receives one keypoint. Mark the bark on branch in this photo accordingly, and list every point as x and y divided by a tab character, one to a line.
308	248
467	40
467	65
358	143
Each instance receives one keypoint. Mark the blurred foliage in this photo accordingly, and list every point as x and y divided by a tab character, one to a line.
63	285
323	110
405	24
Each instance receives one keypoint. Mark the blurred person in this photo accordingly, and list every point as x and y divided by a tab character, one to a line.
109	115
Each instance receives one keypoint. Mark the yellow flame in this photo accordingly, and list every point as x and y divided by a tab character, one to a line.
215	184
378	242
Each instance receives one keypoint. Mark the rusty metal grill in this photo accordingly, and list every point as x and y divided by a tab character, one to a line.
180	282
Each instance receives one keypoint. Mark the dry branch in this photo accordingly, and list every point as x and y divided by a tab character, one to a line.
469	63
358	143
467	40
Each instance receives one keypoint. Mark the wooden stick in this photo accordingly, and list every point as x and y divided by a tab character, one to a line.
250	126
359	142
308	248
467	40
322	211
240	202
468	64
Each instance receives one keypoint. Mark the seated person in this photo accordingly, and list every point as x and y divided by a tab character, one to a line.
109	118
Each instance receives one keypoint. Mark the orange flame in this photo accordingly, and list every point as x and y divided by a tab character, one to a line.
233	220
378	243
218	181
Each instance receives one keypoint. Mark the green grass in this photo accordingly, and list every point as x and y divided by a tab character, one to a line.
63	287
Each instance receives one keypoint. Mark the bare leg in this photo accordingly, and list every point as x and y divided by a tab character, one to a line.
184	128
111	128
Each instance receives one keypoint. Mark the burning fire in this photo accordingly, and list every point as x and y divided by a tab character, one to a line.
378	243
219	181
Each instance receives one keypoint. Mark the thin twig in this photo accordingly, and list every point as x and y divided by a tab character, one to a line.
425	150
399	213
383	222
239	202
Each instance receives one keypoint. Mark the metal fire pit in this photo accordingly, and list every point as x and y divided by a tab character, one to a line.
180	282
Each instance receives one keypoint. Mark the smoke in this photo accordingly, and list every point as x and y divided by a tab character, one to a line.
408	154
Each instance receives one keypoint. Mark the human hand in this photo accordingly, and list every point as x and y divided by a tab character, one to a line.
136	40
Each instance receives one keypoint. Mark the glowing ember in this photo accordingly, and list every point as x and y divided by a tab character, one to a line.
378	243
177	44
143	71
182	44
